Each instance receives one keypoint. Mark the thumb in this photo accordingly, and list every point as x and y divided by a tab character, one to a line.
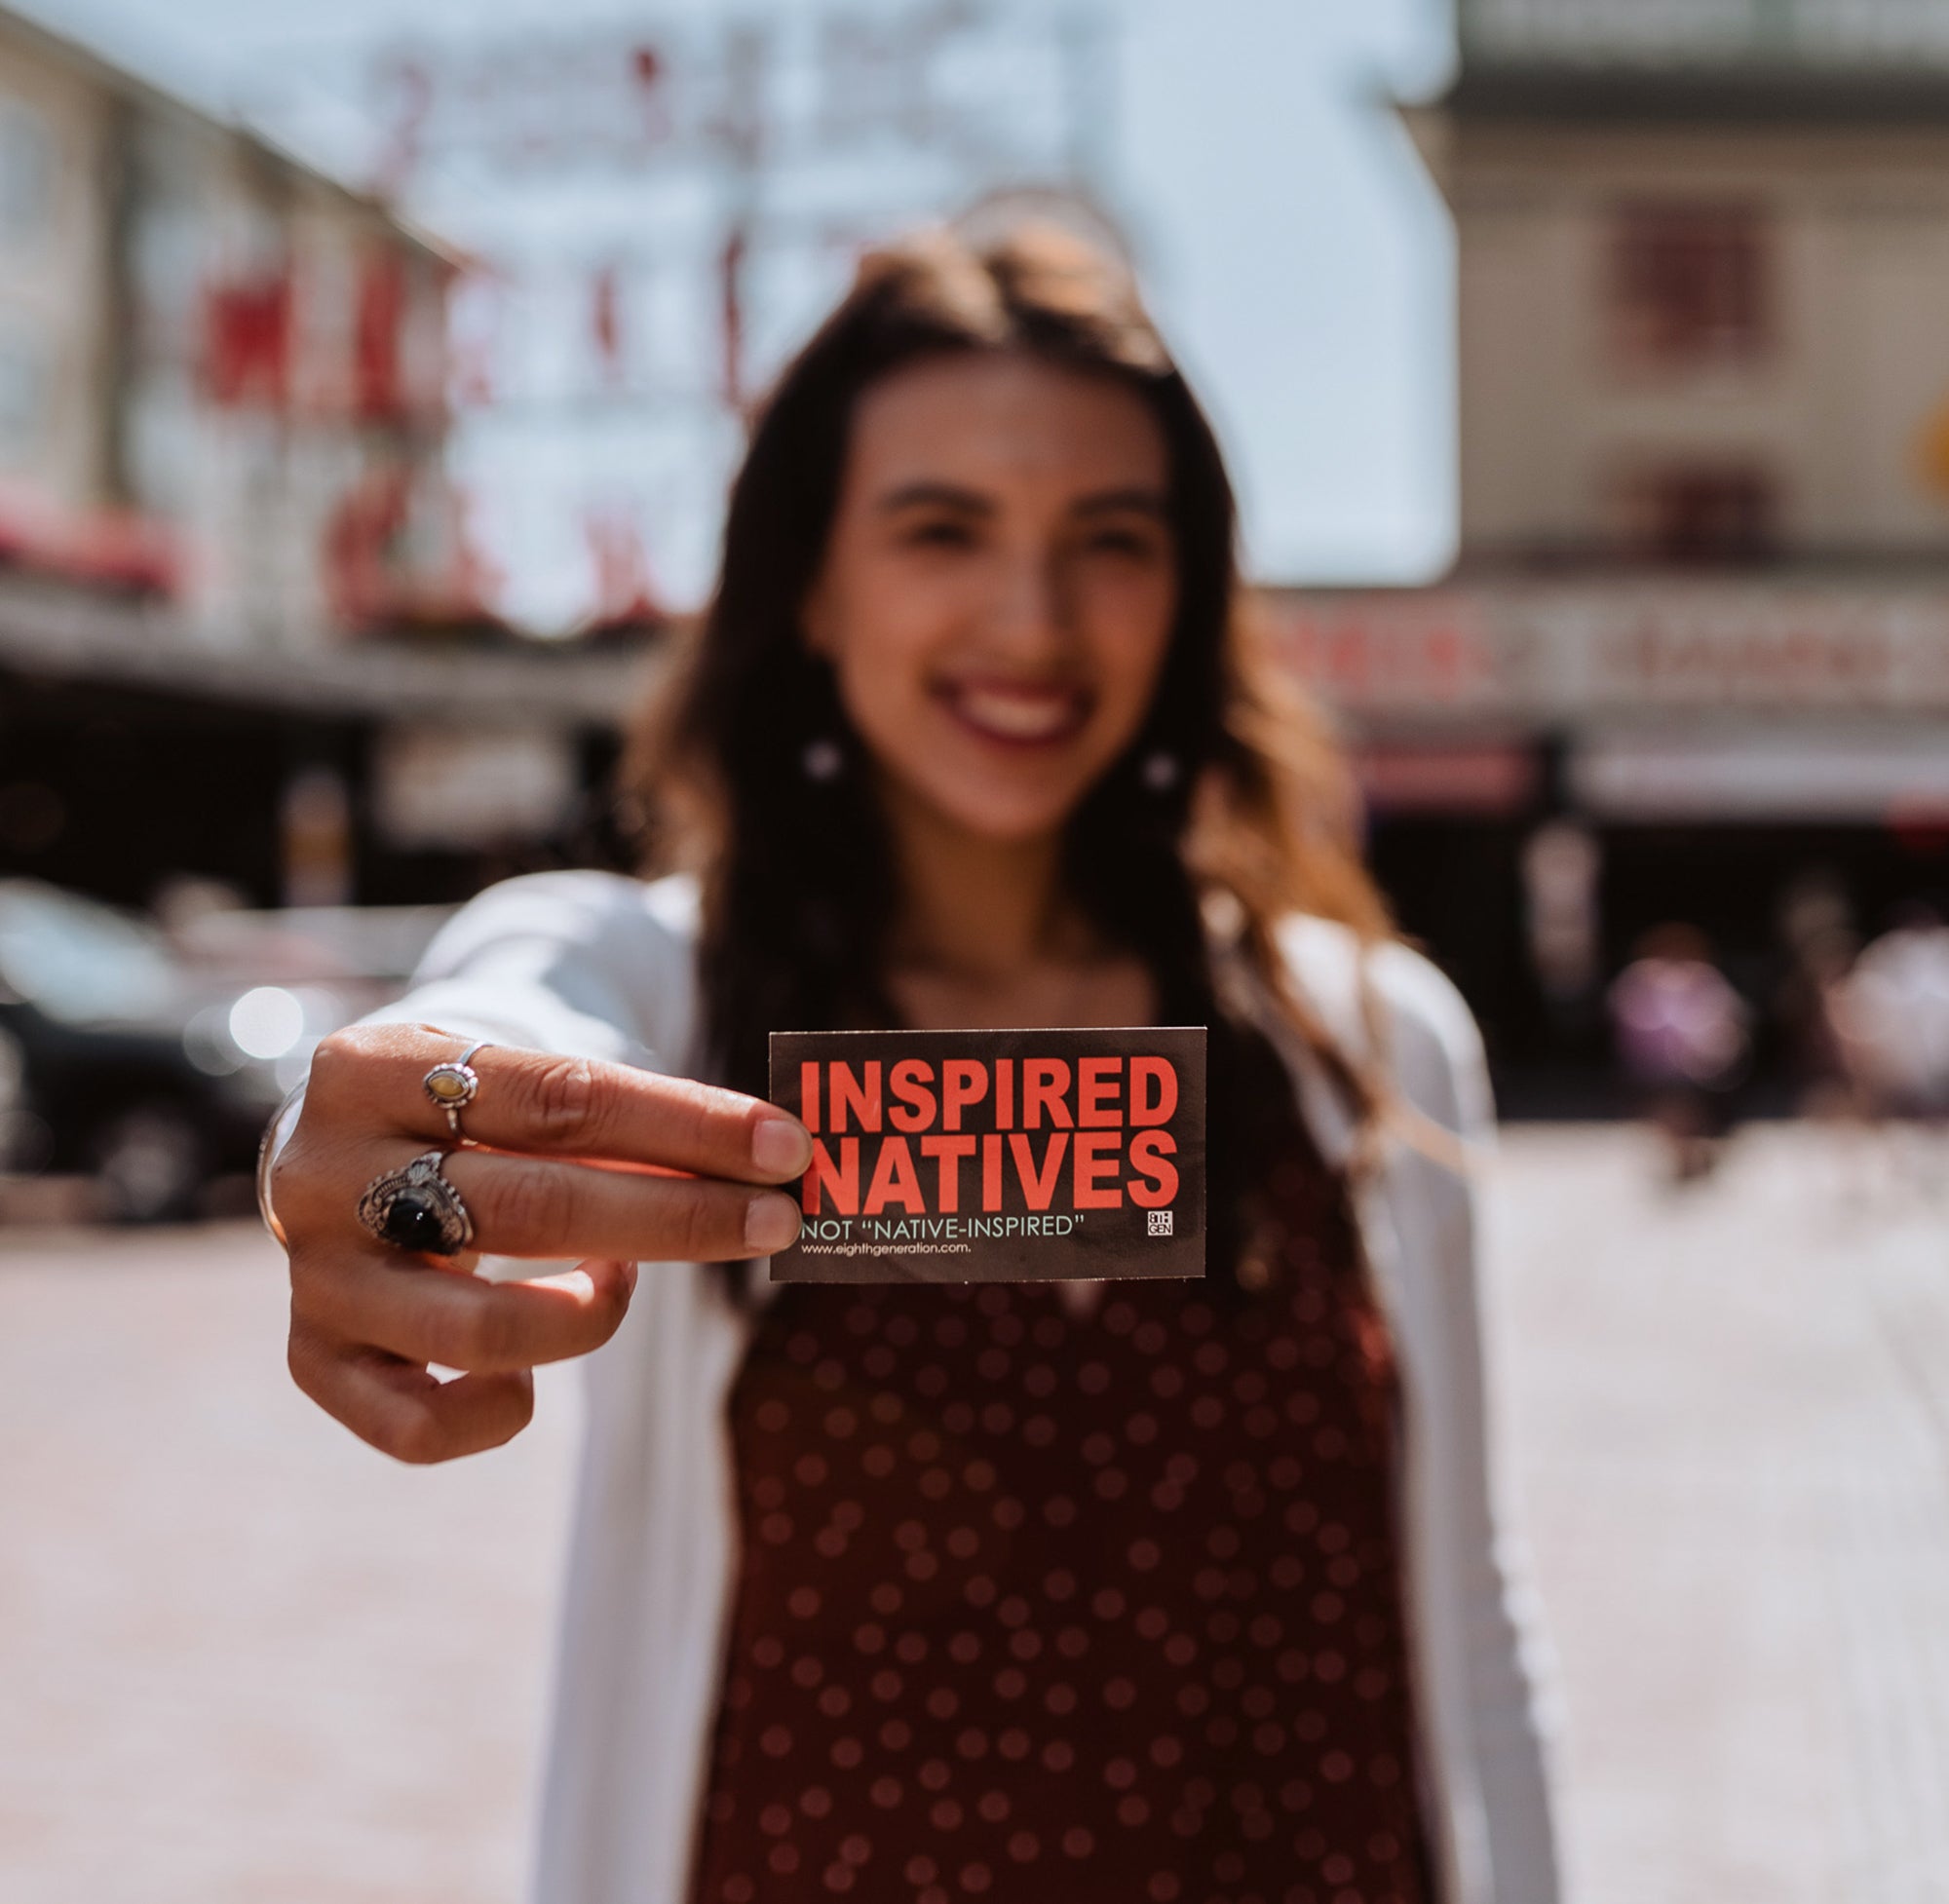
608	1276
597	1282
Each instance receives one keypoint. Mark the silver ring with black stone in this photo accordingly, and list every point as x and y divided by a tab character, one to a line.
453	1085
414	1207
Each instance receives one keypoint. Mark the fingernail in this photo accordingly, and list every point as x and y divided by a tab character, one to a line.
780	1147
771	1223
631	1270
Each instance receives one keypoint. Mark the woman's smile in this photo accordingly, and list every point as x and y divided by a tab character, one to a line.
1016	714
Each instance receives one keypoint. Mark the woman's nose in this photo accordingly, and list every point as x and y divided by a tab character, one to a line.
1030	611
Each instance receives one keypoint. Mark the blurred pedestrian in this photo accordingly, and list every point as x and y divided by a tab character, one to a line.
1138	1591
1891	1016
1682	1037
1893	1008
1817	937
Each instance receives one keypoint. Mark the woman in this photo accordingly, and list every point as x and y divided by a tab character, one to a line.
1134	1592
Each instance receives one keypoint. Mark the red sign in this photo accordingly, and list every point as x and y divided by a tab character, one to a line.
1547	651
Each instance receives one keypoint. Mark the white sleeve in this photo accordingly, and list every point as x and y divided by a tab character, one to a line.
572	963
575	963
1439	1062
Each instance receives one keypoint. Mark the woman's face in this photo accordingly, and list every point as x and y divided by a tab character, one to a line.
1000	586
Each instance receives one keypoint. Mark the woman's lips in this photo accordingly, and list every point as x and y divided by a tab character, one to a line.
1016	716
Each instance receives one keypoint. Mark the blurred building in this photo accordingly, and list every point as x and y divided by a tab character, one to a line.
1695	653
241	631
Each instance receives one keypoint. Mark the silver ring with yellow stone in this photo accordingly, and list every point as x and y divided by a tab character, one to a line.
453	1086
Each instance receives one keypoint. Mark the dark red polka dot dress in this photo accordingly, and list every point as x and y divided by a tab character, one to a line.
1038	1607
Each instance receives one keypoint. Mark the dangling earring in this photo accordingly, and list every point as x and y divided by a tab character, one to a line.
823	760
1160	771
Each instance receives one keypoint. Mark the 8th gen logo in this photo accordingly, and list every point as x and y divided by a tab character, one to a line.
1159	1222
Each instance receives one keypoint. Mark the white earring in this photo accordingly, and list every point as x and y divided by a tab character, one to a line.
1161	772
823	760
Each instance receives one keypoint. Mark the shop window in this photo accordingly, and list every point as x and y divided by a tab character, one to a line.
1700	513
1691	286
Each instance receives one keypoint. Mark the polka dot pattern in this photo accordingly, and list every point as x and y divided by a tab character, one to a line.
1107	1607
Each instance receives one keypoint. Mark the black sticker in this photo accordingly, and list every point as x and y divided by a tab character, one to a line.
996	1155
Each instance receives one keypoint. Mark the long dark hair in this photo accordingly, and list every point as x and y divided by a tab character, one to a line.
1253	822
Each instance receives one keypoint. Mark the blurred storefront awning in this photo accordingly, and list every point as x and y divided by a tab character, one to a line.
1820	777
60	634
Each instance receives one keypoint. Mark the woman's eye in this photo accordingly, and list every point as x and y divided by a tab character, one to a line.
1123	541
942	534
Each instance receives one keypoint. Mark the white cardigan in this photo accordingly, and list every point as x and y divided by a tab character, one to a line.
603	967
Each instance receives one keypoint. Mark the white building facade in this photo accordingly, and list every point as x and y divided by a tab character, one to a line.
242	632
221	376
1700	621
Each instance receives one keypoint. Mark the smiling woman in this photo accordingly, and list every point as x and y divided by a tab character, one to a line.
1168	1592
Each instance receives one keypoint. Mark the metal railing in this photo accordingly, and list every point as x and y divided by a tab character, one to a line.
1848	35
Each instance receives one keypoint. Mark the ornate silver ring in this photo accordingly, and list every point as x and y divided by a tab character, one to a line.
415	1207
453	1086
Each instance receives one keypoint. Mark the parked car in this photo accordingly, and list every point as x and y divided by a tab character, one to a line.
120	1060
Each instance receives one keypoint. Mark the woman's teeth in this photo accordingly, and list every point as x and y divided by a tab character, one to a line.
1010	714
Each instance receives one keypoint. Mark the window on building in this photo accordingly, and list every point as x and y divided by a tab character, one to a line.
1698	513
26	173
23	391
1691	286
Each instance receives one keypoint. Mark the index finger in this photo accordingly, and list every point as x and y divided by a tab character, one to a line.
557	1106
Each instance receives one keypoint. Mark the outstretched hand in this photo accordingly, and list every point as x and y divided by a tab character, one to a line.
567	1159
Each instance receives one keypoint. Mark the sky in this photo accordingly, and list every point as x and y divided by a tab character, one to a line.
1297	256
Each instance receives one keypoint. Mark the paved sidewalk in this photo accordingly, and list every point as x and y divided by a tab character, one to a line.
245	1660
1732	1409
